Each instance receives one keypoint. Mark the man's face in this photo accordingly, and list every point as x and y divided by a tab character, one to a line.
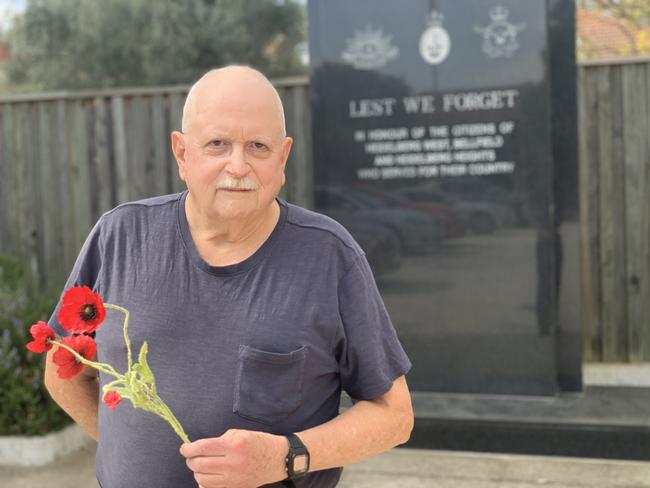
233	153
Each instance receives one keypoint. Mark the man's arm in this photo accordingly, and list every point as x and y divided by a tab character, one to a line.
78	396
369	427
242	458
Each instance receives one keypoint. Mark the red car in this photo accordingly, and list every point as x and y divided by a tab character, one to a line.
452	222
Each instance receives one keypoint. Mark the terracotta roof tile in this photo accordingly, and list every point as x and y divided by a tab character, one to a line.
4	53
604	36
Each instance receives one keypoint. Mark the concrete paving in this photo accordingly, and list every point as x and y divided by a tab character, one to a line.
413	468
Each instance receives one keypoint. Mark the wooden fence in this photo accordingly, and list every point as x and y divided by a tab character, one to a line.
67	157
614	134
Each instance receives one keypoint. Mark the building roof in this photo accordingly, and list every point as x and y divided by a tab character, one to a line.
4	53
601	35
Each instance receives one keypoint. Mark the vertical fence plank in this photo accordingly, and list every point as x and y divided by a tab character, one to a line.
159	178
138	143
80	185
101	161
298	187
58	151
644	245
25	196
20	203
63	151
589	214
635	132
175	115
292	170
119	150
36	221
51	230
7	169
612	215
286	192
304	167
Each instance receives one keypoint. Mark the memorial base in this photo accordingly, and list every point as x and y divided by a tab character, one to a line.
602	422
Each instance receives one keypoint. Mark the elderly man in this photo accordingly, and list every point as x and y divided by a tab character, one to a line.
257	314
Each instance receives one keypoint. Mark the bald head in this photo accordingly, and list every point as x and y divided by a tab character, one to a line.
237	84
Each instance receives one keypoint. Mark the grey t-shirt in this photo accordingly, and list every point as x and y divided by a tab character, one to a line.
266	344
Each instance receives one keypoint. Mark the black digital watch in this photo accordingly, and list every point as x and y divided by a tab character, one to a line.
297	460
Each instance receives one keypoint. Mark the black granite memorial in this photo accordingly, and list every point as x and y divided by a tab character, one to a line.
444	140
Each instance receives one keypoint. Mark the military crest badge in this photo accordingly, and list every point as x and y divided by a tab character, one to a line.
369	49
435	43
499	37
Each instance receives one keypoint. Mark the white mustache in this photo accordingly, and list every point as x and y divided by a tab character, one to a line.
229	183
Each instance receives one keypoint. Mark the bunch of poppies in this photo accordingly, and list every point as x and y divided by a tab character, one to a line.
82	312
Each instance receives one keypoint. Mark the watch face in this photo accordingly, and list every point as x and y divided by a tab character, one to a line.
300	463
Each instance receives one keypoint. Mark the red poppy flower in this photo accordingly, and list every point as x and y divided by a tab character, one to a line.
42	335
112	399
68	365
82	310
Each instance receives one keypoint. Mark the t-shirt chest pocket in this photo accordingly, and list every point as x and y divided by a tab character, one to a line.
268	385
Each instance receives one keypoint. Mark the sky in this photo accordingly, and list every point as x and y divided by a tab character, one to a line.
12	5
16	4
8	8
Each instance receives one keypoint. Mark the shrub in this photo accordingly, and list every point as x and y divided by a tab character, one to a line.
25	406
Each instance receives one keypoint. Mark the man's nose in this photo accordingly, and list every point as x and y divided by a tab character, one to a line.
237	165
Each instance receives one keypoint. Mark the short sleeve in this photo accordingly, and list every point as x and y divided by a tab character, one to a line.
85	271
369	352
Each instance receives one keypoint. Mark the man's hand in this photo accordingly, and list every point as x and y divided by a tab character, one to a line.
237	459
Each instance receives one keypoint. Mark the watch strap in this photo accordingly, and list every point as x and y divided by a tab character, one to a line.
296	448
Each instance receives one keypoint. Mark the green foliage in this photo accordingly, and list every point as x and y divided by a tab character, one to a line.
72	44
635	11
26	408
635	15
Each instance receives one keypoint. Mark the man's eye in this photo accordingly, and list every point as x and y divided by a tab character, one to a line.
259	146
216	143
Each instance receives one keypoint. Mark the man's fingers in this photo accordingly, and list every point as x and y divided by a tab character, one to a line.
203	447
206	464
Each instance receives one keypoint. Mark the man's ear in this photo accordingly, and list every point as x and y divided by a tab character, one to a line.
286	149
178	148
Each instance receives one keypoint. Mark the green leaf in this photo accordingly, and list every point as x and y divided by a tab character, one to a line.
142	368
25	406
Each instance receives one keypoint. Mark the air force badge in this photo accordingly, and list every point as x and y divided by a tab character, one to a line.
500	37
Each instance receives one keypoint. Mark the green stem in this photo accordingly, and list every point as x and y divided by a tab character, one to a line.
173	421
160	408
114	384
104	368
151	400
129	359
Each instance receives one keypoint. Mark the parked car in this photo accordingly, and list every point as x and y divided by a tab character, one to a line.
416	232
452	223
479	190
480	217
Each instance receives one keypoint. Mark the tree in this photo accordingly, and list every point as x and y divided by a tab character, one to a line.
636	14
73	44
636	11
